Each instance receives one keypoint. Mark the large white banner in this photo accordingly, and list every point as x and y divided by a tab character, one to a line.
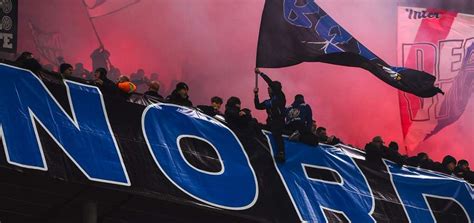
441	43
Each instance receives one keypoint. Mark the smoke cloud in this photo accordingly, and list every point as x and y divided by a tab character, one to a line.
211	44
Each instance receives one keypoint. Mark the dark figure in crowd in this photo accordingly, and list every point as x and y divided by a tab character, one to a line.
23	57
27	61
154	76
60	60
251	123
447	166
461	169
172	83
140	80
238	118
393	146
469	177
125	86
100	58
213	109
312	138
374	152
392	153
299	117
80	71
66	70
314	127
114	73
420	160
275	107
248	115
105	85
48	67
180	96
322	137
153	88
139	76
234	116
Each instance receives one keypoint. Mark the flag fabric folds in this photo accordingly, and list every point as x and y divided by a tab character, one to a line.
442	43
48	44
296	31
97	8
459	94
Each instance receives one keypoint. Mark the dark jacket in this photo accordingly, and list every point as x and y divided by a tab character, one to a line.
299	112
108	87
275	106
232	116
374	155
441	168
428	164
176	98
30	64
469	177
460	172
394	156
209	110
154	94
413	161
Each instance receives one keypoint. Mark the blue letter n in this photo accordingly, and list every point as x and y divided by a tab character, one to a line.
86	137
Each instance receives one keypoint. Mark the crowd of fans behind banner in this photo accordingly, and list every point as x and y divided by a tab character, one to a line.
298	122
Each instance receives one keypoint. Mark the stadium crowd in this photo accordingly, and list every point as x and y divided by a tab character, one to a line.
295	121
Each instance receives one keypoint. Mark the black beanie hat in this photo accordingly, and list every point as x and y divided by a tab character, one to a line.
182	85
232	101
64	66
449	159
299	99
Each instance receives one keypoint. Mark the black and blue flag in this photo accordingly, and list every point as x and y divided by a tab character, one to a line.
296	31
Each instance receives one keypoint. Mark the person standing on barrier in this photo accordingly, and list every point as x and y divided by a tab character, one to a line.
275	107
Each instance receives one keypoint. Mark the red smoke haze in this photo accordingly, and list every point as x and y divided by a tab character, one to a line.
211	44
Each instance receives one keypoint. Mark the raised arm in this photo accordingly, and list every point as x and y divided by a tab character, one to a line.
264	76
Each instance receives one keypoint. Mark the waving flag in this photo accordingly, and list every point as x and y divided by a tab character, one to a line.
442	43
48	44
296	31
98	8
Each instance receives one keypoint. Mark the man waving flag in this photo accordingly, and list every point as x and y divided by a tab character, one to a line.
296	31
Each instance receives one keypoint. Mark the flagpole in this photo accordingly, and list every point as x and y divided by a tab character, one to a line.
399	107
92	23
95	30
256	80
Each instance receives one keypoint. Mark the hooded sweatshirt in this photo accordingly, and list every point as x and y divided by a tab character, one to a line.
299	112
